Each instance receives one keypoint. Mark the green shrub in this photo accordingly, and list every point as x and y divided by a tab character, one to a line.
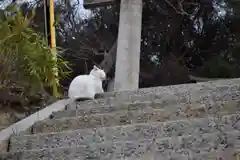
25	57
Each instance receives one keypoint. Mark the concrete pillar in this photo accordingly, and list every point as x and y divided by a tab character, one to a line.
128	48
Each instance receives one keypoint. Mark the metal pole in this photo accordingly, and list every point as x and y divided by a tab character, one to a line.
52	26
46	20
52	39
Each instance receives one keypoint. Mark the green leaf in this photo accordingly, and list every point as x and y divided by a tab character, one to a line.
57	19
25	55
10	8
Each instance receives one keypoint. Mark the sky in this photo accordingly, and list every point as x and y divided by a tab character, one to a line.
82	11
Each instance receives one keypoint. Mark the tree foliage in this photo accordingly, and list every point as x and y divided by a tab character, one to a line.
26	60
199	37
178	38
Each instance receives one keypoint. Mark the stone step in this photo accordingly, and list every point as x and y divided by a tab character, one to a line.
98	120
187	93
210	86
166	101
202	93
215	155
123	133
173	156
169	109
124	117
181	145
225	154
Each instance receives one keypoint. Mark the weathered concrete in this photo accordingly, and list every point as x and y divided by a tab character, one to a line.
144	115
169	155
179	93
123	133
97	120
167	148
179	88
184	122
26	123
128	47
193	108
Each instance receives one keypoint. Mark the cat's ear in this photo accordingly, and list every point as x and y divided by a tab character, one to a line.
95	67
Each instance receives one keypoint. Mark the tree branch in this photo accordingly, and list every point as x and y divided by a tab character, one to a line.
181	10
109	59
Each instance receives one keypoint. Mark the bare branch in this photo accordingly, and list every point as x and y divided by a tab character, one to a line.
181	10
109	59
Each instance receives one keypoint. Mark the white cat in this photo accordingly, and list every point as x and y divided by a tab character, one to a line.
86	86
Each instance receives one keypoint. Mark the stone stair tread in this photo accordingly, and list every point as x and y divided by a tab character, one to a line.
193	107
224	154
106	109
126	117
187	145
97	120
126	132
176	93
164	99
215	155
211	86
69	112
113	108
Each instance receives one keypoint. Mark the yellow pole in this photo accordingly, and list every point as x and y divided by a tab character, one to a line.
53	41
52	27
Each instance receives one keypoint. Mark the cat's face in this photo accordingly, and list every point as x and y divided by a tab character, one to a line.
99	73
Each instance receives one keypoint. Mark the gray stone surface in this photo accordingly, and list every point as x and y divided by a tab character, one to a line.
128	46
143	114
166	147
215	155
204	93
11	156
122	133
98	120
174	88
173	108
26	123
179	88
190	121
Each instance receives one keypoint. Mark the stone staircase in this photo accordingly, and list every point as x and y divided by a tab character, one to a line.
181	122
